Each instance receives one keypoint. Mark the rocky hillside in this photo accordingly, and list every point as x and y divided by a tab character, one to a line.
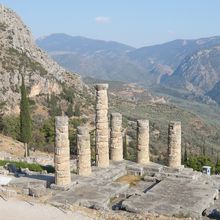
19	55
198	72
114	61
215	93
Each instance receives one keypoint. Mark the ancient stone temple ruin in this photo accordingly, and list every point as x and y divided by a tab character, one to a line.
169	190
174	144
62	152
102	132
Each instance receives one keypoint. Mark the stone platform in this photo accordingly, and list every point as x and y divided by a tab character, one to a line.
162	190
175	197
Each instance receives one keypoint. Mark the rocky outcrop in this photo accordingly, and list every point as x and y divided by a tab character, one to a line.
19	54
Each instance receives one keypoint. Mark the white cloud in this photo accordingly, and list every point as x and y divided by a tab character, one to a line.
102	20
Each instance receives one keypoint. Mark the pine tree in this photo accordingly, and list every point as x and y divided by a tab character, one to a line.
25	118
69	111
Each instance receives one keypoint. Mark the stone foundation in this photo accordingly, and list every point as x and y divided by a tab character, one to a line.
62	152
174	144
116	141
83	152
143	141
102	133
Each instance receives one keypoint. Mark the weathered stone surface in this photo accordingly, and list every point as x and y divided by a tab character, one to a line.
174	196
83	152
116	141
174	144
37	191
143	141
62	152
102	133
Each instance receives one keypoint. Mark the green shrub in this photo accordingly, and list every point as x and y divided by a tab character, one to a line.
31	166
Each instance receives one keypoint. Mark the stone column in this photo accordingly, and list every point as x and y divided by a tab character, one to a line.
116	141
83	152
62	152
174	144
143	141
102	146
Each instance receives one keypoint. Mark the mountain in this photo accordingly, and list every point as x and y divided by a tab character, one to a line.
197	73
115	61
63	43
214	93
94	58
20	55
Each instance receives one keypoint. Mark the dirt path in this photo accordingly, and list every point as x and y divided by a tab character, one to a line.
21	210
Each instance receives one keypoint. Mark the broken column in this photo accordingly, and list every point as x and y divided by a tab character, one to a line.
143	141
62	152
102	147
174	144
116	141
83	152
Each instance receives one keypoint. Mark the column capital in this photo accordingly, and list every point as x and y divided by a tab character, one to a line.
101	86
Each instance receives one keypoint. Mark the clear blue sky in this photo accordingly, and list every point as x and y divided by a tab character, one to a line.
134	22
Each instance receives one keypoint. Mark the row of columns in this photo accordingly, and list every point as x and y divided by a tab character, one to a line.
62	152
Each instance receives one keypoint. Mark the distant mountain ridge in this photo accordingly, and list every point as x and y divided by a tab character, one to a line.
191	65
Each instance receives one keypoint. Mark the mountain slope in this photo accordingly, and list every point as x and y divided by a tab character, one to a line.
114	61
19	55
197	73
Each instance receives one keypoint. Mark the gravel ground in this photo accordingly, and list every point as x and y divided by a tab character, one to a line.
21	210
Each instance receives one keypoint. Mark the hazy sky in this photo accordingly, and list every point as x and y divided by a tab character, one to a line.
134	22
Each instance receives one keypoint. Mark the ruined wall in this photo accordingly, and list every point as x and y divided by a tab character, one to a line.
62	152
102	132
143	141
116	141
83	152
174	144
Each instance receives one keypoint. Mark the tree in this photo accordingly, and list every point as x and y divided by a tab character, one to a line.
25	118
77	110
69	111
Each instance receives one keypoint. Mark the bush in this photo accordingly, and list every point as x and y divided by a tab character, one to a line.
197	162
31	166
10	126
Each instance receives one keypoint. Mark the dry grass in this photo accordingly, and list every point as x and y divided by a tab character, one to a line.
129	179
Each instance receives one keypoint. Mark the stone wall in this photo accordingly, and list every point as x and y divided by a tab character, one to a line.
116	141
102	132
62	152
174	144
143	141
83	152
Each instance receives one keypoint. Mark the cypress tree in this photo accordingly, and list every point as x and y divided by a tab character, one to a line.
25	118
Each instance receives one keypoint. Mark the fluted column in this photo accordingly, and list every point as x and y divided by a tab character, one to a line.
174	144
102	132
62	152
83	152
143	141
116	141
